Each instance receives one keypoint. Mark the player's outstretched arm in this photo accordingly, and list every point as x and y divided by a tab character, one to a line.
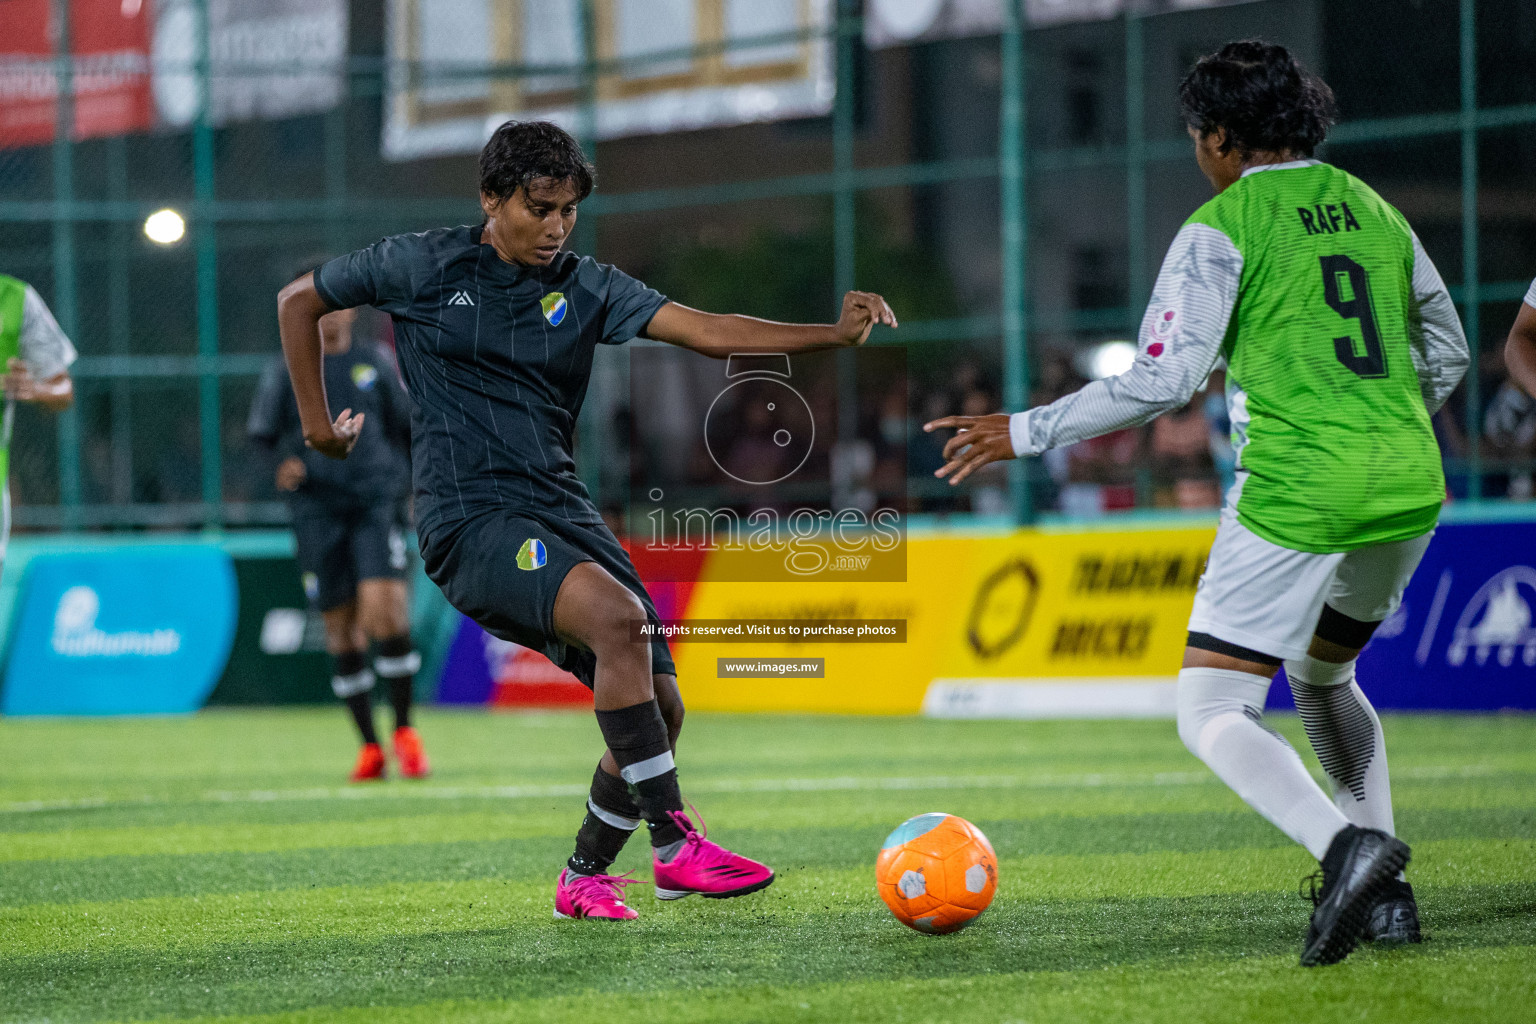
1520	349
719	335
1181	337
299	309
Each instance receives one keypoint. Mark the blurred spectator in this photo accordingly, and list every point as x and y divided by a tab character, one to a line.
988	485
1509	424
1223	456
1181	458
1101	475
925	453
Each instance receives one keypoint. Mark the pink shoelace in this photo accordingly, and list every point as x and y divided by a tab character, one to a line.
697	838
597	888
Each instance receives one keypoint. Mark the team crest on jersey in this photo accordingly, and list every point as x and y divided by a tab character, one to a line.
531	555
364	376
554	308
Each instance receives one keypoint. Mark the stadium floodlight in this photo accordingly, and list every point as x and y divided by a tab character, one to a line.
165	227
1107	359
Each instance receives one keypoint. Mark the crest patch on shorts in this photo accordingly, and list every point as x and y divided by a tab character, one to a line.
531	555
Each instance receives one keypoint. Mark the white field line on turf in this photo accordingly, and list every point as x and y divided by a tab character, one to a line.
1088	780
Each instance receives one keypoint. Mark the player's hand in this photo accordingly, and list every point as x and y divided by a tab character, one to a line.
20	385
861	311
339	437
978	440
291	473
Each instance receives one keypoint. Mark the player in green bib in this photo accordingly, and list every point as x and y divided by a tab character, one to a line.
37	357
1340	342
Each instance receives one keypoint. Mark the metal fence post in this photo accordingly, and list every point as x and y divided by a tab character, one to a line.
590	431
1470	272
1135	165
65	293
849	28
204	198
1015	244
120	328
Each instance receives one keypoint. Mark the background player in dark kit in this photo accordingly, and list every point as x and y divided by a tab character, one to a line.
495	332
346	522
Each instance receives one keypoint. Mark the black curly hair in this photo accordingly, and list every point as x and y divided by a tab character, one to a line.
1261	96
521	152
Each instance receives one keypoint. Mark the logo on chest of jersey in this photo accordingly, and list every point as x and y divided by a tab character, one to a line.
461	298
364	376
554	308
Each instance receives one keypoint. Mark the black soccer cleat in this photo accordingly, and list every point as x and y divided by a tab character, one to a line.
1358	867
1395	917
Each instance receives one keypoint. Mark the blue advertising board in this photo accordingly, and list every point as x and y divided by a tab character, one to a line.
1465	636
143	630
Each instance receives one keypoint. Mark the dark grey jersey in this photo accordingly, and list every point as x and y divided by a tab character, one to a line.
496	358
362	379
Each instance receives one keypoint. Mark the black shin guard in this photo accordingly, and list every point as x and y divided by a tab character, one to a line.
396	662
611	817
637	737
354	686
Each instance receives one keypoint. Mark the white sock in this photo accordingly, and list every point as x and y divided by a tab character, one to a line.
1221	721
1346	737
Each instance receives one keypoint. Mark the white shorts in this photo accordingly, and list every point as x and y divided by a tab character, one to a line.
1268	598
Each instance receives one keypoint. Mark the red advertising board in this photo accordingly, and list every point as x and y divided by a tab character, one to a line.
111	84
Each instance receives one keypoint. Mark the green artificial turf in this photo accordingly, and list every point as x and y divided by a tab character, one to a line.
214	868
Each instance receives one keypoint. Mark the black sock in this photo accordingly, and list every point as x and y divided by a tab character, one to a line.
396	662
637	736
353	683
600	838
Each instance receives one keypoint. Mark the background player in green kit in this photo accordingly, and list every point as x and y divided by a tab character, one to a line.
37	357
1340	342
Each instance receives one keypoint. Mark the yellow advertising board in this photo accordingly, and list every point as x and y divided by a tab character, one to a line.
1029	608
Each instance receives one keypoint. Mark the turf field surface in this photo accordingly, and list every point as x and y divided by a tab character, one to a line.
213	868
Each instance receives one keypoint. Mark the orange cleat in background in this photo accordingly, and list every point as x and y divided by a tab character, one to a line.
370	763
409	753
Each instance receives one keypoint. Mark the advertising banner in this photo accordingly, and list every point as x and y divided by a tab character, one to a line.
278	655
896	22
1090	623
1021	624
664	67
480	669
1465	636
266	58
121	631
109	40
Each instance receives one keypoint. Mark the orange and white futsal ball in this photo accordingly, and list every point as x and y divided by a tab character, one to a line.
937	873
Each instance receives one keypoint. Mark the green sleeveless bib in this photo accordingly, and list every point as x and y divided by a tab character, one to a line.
13	294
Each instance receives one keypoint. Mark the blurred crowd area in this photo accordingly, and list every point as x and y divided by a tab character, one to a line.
897	192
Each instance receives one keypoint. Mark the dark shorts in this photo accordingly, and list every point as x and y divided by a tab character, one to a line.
504	569
338	547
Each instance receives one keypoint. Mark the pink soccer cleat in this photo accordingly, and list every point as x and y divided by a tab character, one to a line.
597	896
707	868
